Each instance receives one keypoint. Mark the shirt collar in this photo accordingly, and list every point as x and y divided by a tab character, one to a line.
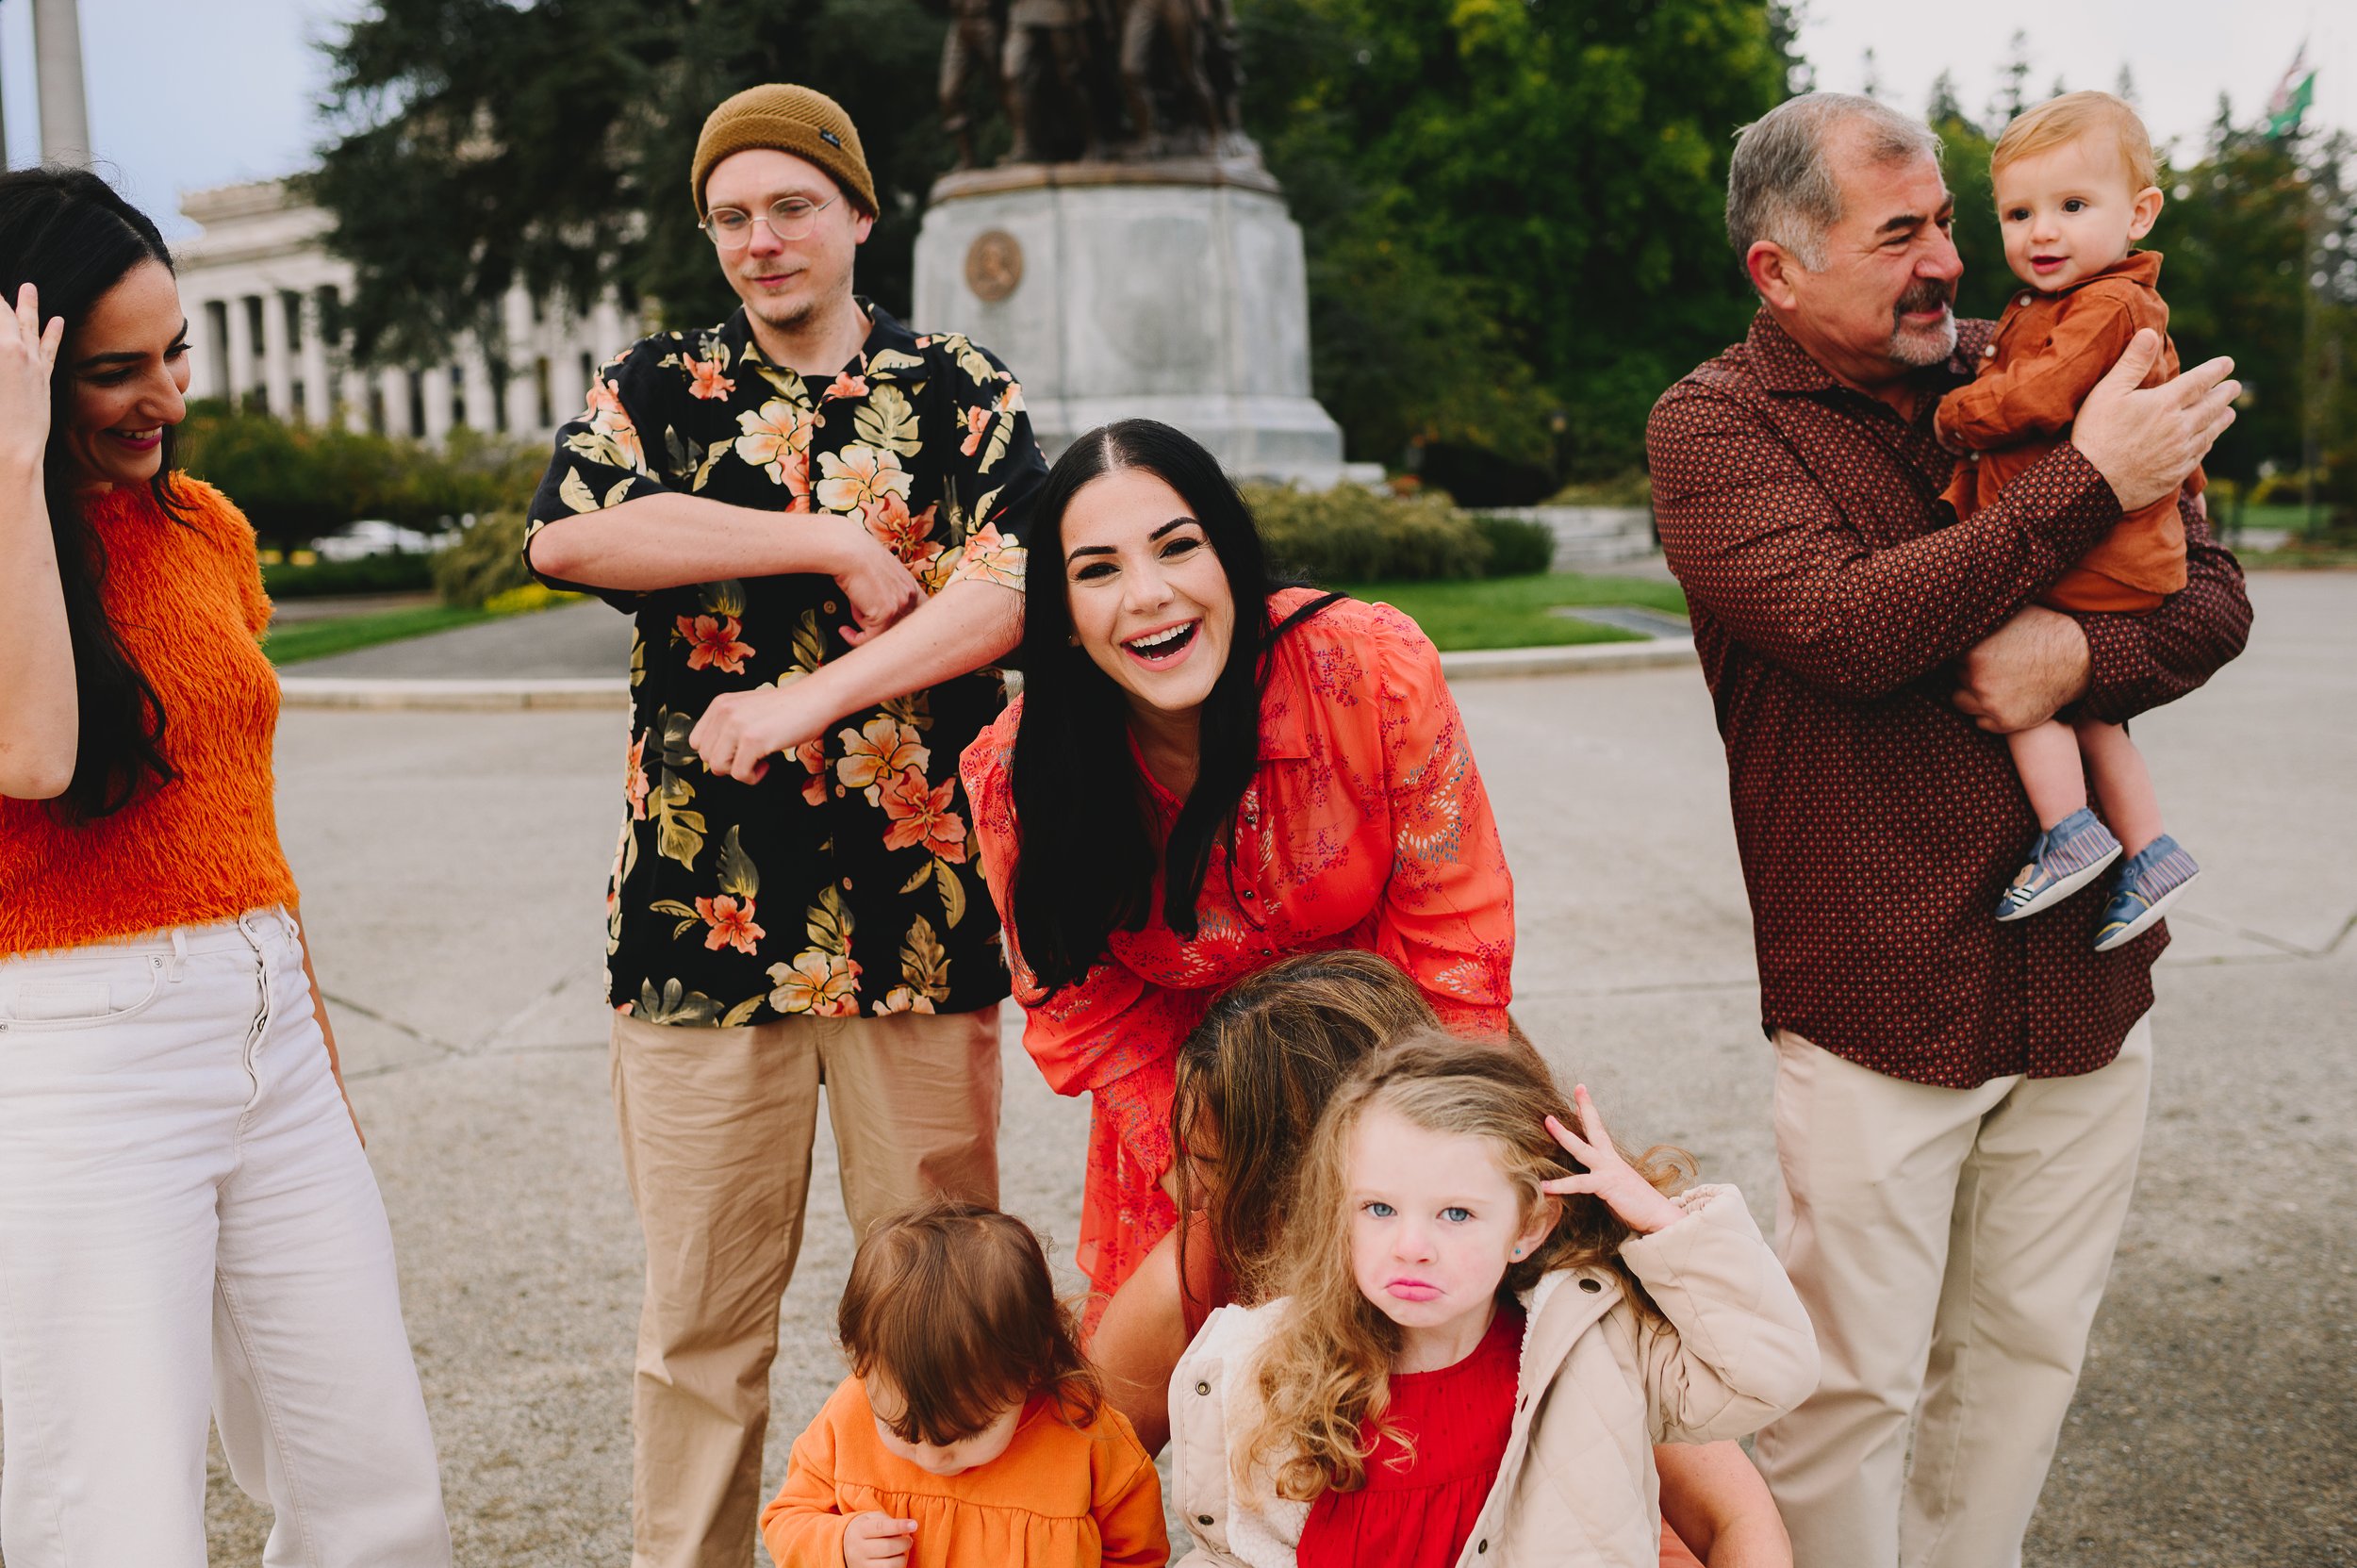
2137	266
885	334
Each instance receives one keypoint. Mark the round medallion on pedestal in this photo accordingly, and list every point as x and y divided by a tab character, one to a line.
994	265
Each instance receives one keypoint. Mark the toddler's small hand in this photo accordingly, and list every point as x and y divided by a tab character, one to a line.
1638	1202
877	1541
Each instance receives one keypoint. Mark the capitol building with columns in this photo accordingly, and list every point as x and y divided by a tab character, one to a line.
259	285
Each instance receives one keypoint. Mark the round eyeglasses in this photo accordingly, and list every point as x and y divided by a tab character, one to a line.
731	227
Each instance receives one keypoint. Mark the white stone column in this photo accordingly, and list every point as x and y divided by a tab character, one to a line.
569	389
395	382
200	350
434	383
609	335
240	348
352	400
523	402
318	392
57	61
277	355
475	368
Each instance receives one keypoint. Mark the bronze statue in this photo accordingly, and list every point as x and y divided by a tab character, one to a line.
1179	26
1048	91
971	49
1067	70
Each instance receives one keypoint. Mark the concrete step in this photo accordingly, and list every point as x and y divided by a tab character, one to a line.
1590	535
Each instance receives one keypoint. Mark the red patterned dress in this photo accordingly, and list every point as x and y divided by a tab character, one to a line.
1365	826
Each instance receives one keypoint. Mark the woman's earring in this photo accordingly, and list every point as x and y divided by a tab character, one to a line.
1072	639
1518	1252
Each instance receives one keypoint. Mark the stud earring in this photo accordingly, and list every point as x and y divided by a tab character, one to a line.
1072	639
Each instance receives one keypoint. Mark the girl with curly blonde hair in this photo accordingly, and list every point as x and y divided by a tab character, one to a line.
1489	1319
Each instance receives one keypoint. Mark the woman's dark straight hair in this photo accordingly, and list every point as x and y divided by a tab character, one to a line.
1086	867
67	233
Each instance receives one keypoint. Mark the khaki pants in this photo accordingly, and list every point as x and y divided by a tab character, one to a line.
1950	1247
717	1128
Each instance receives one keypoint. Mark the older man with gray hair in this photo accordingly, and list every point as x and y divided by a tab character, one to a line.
1958	1102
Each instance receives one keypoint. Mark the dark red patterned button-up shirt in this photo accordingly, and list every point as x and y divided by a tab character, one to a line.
1832	590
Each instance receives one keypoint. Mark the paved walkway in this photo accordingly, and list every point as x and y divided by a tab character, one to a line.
453	864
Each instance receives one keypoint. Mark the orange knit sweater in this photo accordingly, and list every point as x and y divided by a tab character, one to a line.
1060	1496
187	604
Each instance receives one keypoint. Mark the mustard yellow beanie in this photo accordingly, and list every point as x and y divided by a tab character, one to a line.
793	120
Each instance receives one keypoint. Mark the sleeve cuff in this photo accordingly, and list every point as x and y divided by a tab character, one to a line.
2065	501
2118	666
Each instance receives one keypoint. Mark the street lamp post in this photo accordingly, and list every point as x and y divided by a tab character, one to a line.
58	61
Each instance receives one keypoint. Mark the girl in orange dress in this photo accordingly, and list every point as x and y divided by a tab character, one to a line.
971	1434
1206	772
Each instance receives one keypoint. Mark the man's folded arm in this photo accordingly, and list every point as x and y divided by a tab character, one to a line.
1756	540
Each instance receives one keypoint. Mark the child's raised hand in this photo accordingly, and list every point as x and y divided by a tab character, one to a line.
1638	1202
877	1541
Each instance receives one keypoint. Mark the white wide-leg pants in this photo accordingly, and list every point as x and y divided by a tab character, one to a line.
187	1226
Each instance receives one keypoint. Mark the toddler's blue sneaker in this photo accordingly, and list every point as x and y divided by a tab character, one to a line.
2142	889
2066	858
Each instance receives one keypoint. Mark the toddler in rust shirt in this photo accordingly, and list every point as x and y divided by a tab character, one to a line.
2075	192
971	1434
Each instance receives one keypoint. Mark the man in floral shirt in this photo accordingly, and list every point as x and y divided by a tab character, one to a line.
805	510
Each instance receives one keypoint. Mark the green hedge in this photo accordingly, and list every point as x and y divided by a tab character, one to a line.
483	562
1518	547
1351	534
394	574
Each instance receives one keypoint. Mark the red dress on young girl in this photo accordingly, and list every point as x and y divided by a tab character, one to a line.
1421	1502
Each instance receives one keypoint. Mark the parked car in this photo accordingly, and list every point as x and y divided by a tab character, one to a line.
375	536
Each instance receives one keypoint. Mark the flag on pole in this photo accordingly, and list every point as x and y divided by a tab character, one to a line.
2293	95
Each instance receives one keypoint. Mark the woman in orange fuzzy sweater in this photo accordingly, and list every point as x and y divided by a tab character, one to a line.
187	1224
971	1434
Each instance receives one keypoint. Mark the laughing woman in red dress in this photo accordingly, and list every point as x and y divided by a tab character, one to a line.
1206	772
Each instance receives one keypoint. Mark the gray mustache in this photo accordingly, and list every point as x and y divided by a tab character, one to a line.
1923	294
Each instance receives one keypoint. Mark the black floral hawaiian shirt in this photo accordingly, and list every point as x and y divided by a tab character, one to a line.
844	884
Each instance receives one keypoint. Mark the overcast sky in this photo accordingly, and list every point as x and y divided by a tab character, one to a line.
190	93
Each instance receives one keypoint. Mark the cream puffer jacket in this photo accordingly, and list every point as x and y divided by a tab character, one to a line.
1601	1383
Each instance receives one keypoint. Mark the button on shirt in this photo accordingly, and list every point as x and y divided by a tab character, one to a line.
844	883
1831	591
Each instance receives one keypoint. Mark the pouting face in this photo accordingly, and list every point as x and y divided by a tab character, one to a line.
1149	600
126	372
2070	211
940	1459
787	284
1434	1222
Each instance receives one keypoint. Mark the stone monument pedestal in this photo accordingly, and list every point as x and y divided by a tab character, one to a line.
1173	290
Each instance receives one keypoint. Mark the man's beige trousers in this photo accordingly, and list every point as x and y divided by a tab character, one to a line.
1951	1246
717	1128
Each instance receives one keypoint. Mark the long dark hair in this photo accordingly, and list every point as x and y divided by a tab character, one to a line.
66	232
1088	869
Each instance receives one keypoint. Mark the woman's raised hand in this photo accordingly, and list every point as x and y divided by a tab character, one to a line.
28	356
1638	1202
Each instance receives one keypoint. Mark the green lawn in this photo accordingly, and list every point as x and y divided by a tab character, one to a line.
315	639
1512	612
2294	518
1498	612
